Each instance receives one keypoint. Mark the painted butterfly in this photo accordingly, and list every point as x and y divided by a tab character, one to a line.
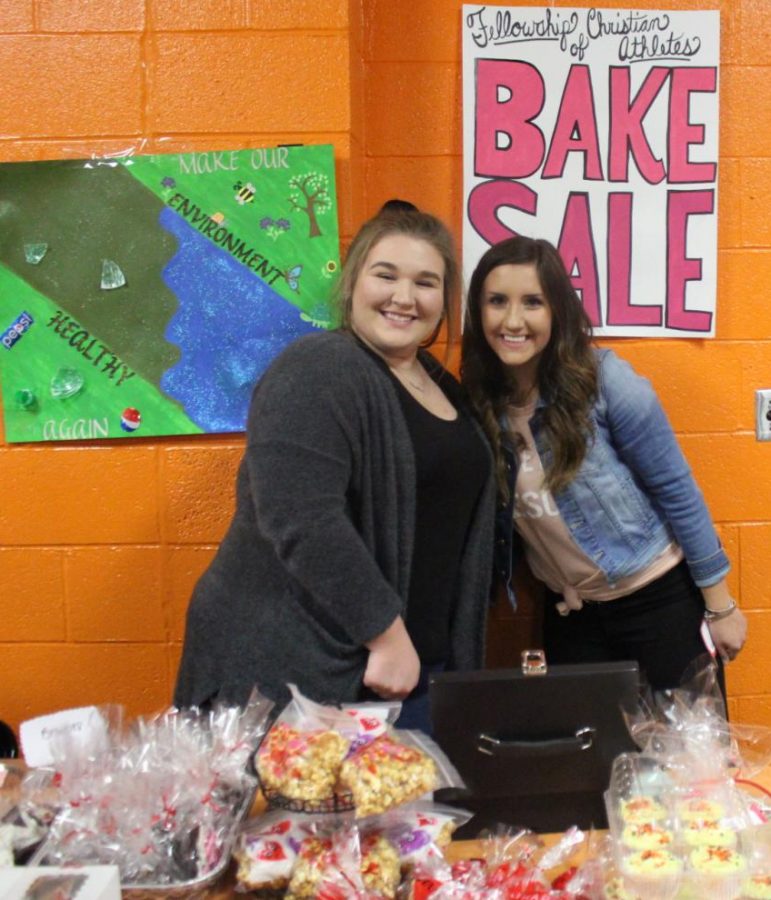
293	276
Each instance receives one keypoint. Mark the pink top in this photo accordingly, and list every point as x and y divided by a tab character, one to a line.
552	554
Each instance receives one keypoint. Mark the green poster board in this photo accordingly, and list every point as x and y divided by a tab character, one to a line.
146	295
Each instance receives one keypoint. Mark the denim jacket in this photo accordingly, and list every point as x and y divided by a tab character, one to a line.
634	492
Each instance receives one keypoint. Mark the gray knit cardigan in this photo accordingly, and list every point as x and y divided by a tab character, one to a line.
317	558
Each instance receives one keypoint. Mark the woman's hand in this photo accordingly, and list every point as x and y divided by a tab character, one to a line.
728	633
393	668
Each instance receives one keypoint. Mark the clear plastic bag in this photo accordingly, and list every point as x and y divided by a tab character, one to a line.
513	864
161	799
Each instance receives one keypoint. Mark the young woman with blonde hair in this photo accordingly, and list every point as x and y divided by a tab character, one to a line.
359	556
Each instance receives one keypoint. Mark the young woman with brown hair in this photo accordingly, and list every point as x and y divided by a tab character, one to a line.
594	488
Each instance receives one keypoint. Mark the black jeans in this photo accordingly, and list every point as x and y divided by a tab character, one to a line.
659	626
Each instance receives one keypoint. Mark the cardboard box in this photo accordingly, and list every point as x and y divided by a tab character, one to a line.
60	883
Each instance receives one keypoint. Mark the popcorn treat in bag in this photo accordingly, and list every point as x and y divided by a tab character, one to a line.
301	765
325	759
315	857
386	773
266	851
419	830
380	867
299	761
345	864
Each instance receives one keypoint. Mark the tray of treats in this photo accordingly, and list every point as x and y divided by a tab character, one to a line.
287	853
319	760
205	855
186	851
678	839
162	799
319	771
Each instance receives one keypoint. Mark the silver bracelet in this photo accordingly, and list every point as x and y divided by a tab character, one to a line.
715	615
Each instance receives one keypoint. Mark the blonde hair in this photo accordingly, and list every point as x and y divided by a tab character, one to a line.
401	217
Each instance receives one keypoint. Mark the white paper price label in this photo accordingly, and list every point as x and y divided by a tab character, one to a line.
82	726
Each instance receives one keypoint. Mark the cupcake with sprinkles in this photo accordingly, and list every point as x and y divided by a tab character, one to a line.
708	833
641	808
717	872
700	809
654	874
615	889
757	887
646	836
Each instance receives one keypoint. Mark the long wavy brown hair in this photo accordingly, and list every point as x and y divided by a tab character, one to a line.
567	371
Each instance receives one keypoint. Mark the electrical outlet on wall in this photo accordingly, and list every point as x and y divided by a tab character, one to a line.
763	415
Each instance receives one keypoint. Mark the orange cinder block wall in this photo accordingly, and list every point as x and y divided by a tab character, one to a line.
100	543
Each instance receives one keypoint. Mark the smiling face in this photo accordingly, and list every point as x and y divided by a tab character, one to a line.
516	319
398	297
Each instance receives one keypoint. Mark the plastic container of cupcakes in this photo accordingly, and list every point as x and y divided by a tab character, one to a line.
642	827
672	839
757	883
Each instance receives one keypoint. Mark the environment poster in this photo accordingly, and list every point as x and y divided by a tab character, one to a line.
145	295
597	129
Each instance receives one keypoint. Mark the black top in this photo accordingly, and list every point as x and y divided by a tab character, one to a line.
317	559
451	467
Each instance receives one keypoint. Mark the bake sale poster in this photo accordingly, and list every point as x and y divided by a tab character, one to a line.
597	129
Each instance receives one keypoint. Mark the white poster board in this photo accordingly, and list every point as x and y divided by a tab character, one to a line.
597	129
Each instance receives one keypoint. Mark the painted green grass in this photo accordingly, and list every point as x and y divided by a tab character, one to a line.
216	194
40	353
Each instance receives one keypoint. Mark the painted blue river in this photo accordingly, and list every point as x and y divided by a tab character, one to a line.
229	326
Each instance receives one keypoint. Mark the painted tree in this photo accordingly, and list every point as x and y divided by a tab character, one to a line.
310	194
